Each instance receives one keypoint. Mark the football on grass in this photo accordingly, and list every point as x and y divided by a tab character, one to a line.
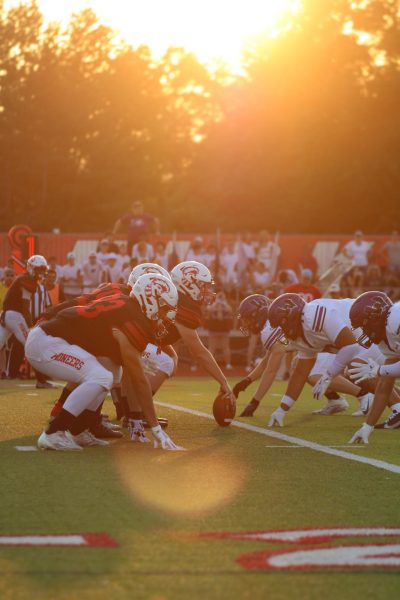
223	410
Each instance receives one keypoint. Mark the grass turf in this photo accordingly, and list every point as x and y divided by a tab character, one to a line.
154	504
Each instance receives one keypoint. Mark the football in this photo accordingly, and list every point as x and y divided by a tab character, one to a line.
223	410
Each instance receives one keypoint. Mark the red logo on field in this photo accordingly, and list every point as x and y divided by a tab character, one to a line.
68	359
352	556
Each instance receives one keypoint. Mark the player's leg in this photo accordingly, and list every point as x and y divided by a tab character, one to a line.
335	404
15	323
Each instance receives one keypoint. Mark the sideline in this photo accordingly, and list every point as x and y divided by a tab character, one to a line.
372	462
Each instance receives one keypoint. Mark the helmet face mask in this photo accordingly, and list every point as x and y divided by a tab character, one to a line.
286	312
369	313
158	299
253	314
37	266
195	280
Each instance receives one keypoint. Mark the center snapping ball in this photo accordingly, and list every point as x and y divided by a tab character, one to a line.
223	409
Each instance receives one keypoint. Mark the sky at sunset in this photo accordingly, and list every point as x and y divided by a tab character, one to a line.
209	28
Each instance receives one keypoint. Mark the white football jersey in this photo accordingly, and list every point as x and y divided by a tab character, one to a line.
269	336
322	321
392	347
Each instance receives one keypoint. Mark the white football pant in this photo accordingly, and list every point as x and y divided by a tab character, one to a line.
162	360
14	324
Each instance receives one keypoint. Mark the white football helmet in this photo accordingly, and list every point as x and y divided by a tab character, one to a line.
157	296
195	280
146	268
36	265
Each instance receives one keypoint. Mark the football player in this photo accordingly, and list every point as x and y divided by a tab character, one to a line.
252	318
379	319
118	328
318	326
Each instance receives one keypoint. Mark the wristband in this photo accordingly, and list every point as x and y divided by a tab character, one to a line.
367	427
287	402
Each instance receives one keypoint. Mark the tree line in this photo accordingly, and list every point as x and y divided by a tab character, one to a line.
307	139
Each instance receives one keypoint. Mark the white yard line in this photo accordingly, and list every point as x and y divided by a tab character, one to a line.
372	462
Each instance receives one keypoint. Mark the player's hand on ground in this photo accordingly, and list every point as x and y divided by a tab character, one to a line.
362	434
361	371
321	386
241	385
250	409
136	431
162	440
277	418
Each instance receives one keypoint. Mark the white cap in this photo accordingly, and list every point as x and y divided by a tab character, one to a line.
71	255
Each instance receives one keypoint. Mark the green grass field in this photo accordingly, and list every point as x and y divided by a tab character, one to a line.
156	504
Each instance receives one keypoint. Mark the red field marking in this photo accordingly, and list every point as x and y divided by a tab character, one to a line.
304	536
76	540
360	556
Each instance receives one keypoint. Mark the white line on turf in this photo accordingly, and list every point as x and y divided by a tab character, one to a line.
26	448
358	447
379	464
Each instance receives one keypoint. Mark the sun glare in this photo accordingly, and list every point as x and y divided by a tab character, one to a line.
212	29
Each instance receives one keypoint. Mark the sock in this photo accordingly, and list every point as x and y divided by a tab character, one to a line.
86	420
332	396
62	422
60	402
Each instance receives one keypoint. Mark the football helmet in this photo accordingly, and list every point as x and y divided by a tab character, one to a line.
286	312
253	313
369	312
146	268
157	296
195	280
36	265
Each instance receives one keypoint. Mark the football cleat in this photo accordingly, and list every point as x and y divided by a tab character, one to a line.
86	438
100	430
250	408
365	404
332	407
57	441
393	422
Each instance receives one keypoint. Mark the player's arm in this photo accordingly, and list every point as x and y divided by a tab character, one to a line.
196	347
131	359
295	386
268	377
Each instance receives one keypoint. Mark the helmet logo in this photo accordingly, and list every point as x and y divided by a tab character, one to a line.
189	270
156	286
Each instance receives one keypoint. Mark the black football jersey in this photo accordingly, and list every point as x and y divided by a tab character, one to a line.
90	326
109	289
15	295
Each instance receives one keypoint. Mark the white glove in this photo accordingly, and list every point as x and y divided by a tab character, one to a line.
321	386
277	417
362	434
162	439
365	370
149	365
136	431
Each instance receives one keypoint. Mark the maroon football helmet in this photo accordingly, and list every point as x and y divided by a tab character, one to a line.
369	312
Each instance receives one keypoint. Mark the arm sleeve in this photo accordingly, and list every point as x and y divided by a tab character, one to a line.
343	358
390	370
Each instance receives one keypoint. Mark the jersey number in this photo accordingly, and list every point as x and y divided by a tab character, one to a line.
94	309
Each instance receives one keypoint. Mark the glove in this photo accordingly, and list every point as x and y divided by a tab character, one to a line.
250	408
136	431
241	386
362	434
361	371
149	365
277	417
162	439
321	386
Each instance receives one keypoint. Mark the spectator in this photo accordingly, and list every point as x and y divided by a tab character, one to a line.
161	256
52	262
268	252
142	251
127	271
219	322
112	245
334	291
374	279
305	288
228	264
308	261
137	223
196	250
103	252
357	249
92	272
71	278
247	246
287	277
259	278
112	272
6	281
210	256
391	253
124	259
